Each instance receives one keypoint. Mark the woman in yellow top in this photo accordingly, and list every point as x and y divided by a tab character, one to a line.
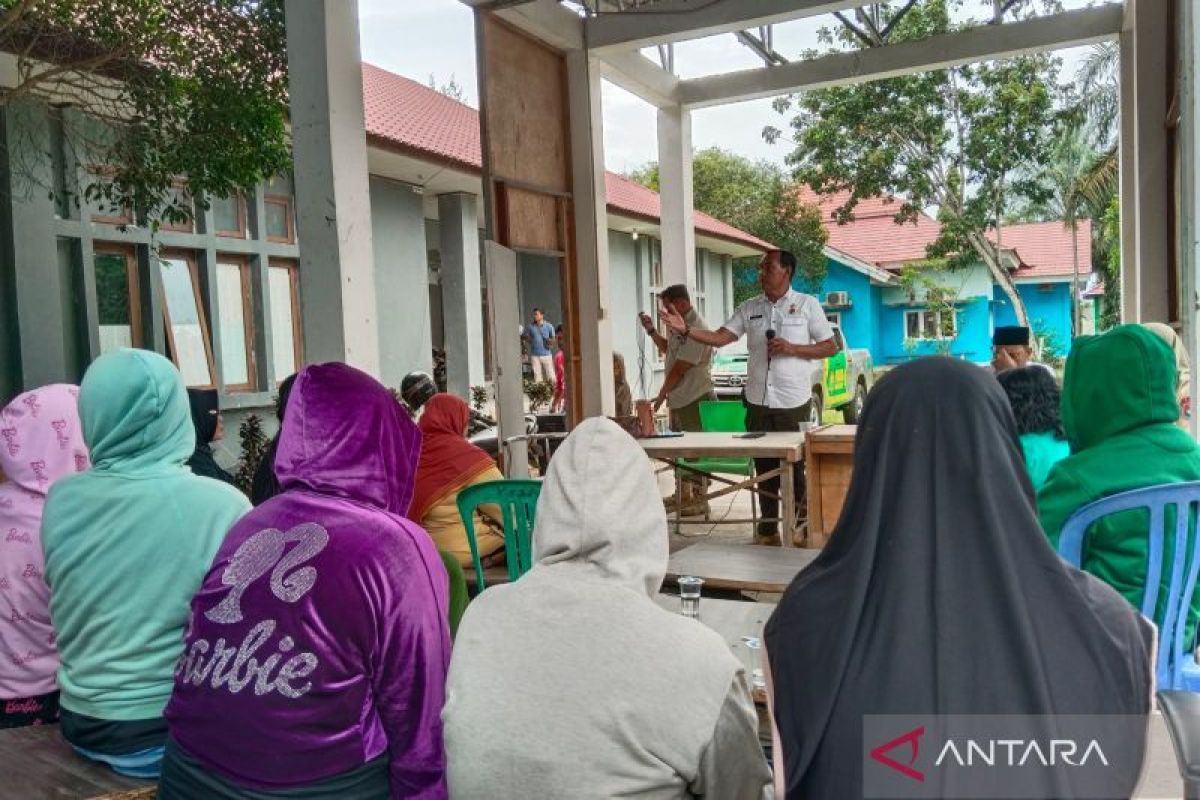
449	464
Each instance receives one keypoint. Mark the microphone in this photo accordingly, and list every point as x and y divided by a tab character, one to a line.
770	336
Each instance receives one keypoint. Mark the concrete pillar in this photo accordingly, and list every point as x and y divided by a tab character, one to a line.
401	280
36	286
1189	194
1145	194
675	193
591	233
462	300
333	213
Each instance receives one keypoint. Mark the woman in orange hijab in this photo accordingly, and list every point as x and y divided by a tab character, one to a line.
449	464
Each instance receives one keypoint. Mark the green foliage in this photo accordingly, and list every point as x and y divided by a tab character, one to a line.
166	90
254	446
923	282
479	397
540	393
1051	347
1110	310
759	198
955	139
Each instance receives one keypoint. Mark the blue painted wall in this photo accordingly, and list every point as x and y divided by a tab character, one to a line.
860	322
974	333
877	326
1049	310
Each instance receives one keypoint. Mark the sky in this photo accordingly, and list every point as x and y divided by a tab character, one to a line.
424	38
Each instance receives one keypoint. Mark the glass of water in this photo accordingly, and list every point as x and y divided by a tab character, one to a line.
689	595
754	670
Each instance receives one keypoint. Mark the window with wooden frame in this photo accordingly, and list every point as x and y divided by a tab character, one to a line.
181	196
283	286
109	215
655	289
183	317
280	224
118	306
235	322
229	216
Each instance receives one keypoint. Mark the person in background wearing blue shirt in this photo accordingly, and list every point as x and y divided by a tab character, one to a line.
539	335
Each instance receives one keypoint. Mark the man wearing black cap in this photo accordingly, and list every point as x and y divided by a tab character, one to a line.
1011	350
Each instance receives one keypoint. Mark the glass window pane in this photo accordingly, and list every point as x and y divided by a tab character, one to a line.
912	325
113	302
931	331
277	220
283	341
226	216
191	351
233	324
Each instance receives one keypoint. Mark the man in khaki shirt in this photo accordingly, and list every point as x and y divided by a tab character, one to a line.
686	384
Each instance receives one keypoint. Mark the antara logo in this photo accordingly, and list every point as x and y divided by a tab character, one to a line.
1020	752
913	740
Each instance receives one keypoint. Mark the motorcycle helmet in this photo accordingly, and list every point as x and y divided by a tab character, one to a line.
416	388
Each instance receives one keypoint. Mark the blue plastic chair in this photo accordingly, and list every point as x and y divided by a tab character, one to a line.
1177	668
517	499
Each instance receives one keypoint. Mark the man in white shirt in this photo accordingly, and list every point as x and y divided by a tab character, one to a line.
787	338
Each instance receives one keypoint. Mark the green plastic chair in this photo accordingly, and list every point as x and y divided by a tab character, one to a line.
458	590
723	416
517	499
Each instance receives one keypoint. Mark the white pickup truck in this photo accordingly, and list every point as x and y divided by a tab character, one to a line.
843	384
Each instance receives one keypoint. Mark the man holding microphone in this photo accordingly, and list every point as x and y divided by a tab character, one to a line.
787	337
686	384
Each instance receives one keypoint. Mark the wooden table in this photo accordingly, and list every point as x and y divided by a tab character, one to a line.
40	764
732	619
787	448
829	463
740	567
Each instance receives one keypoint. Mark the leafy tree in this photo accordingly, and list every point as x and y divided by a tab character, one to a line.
759	198
452	89
166	90
955	139
255	444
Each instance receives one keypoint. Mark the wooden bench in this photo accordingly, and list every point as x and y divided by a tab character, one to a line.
41	765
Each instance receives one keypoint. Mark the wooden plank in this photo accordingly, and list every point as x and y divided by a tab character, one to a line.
526	108
532	220
740	567
785	446
49	768
829	457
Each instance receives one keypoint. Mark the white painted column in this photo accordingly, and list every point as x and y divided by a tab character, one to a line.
1147	191
591	233
675	191
1189	188
333	208
462	299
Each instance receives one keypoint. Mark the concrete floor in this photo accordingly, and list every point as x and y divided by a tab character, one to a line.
1161	779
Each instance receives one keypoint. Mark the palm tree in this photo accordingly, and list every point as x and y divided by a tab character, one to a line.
1099	105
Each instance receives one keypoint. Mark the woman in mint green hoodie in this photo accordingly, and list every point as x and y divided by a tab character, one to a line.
127	544
1119	412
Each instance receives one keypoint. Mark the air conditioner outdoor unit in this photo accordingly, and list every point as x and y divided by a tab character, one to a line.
837	299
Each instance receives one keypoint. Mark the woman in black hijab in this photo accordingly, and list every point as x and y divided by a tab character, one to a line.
206	417
265	485
939	594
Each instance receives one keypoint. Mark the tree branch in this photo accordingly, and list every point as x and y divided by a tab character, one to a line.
862	37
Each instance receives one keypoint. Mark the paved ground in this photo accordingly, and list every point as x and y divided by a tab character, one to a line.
1161	779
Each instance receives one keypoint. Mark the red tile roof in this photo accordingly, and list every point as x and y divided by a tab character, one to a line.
873	235
1044	248
402	114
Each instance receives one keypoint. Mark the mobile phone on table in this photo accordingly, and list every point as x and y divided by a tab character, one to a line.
755	435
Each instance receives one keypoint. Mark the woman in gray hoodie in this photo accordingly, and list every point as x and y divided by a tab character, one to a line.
572	682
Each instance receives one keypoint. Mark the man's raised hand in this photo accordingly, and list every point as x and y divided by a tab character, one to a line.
672	320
